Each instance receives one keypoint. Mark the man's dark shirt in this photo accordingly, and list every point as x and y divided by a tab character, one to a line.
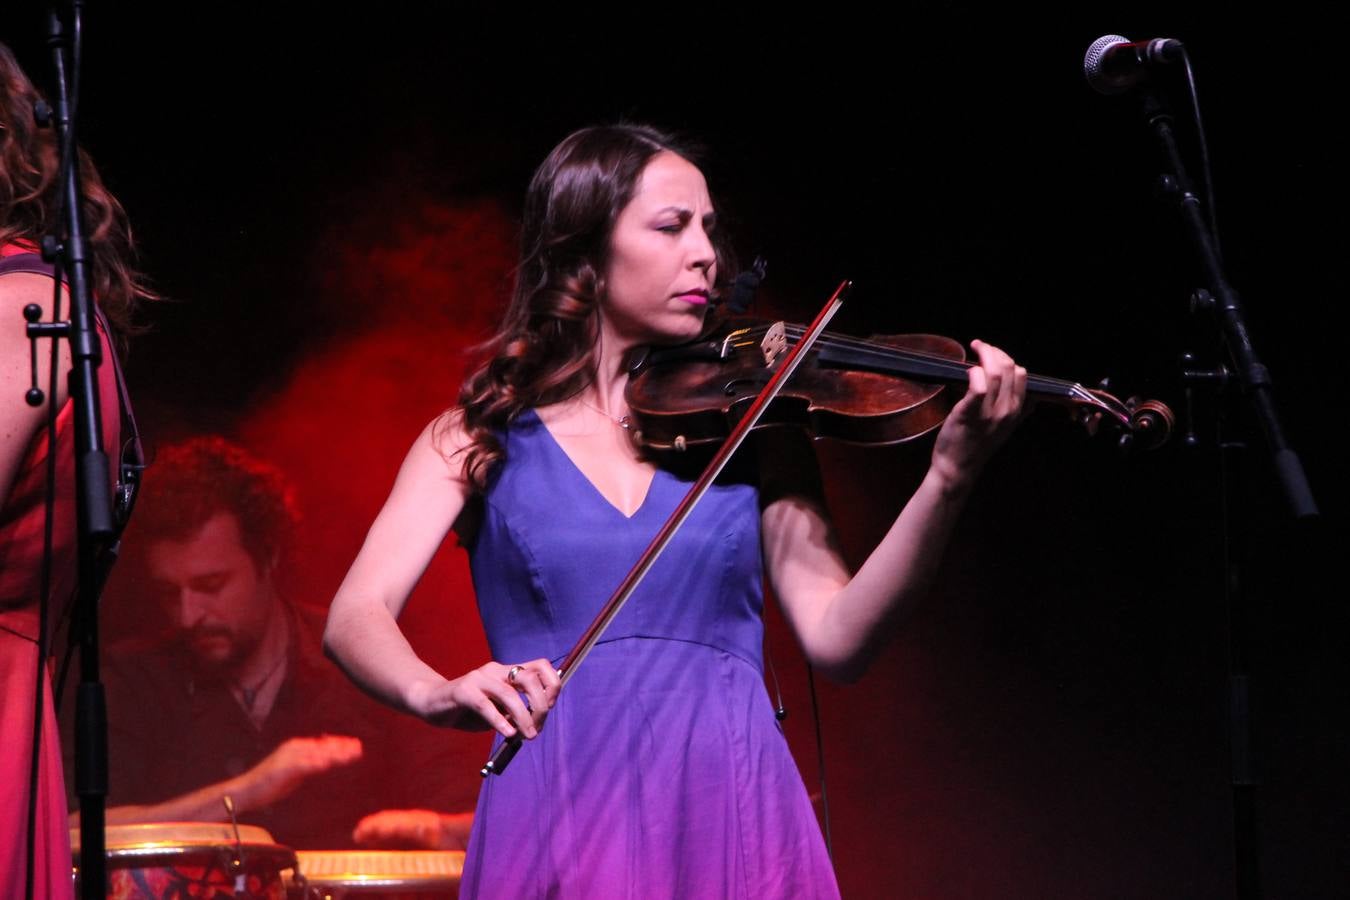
173	728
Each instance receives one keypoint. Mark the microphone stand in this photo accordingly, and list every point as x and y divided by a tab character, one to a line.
1251	373
94	516
1257	387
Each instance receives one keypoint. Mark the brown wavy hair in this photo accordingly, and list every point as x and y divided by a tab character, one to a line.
30	196
543	351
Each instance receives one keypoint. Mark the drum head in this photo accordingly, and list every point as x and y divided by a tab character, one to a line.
176	833
383	873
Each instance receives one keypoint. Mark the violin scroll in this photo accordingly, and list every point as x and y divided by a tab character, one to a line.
1151	423
1143	424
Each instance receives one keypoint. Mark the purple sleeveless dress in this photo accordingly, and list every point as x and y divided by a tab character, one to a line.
661	772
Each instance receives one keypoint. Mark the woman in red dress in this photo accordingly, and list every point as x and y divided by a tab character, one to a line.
29	193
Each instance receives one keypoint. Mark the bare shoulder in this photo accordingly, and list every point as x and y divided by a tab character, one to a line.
38	286
19	421
17	290
447	434
438	451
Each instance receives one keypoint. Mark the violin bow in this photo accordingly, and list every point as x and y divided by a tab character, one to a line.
508	748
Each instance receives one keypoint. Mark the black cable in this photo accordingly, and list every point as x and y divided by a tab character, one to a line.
820	762
132	464
63	671
779	709
1206	173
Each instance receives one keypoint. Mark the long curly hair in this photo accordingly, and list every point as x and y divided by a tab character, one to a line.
30	200
543	351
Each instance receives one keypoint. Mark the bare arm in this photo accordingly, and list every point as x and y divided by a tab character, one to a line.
839	619
363	636
274	778
19	421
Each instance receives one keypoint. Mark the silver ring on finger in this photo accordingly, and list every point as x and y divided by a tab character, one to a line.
512	672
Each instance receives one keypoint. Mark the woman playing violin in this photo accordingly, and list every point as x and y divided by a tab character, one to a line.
661	770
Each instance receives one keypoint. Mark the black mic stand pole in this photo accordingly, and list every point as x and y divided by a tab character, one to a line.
1255	381
93	486
1251	373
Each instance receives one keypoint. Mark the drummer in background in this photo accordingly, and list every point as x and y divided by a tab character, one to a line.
237	698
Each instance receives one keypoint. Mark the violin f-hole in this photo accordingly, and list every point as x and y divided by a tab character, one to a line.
738	386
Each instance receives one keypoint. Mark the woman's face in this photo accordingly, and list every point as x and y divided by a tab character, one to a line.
662	265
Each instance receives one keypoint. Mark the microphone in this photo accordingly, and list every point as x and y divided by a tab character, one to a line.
1114	64
744	287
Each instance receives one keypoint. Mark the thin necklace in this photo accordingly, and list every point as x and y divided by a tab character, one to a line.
249	695
623	422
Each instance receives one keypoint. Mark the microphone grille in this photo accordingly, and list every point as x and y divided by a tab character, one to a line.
1092	63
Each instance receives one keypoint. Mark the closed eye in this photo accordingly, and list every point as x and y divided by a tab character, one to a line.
682	221
211	583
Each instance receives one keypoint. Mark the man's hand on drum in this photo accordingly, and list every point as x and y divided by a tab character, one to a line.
414	829
494	696
293	761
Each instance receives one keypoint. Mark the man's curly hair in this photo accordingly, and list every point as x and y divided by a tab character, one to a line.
192	481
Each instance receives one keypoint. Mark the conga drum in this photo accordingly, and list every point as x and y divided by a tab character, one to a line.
380	874
200	860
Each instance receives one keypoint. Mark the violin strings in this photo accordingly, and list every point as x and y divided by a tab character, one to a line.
845	342
1039	383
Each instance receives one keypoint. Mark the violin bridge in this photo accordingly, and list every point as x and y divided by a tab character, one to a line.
774	343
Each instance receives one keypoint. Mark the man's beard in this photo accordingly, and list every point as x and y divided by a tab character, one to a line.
239	646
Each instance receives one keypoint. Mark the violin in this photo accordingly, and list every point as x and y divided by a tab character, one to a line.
879	390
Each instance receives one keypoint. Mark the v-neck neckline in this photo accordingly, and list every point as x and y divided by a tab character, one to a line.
557	445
